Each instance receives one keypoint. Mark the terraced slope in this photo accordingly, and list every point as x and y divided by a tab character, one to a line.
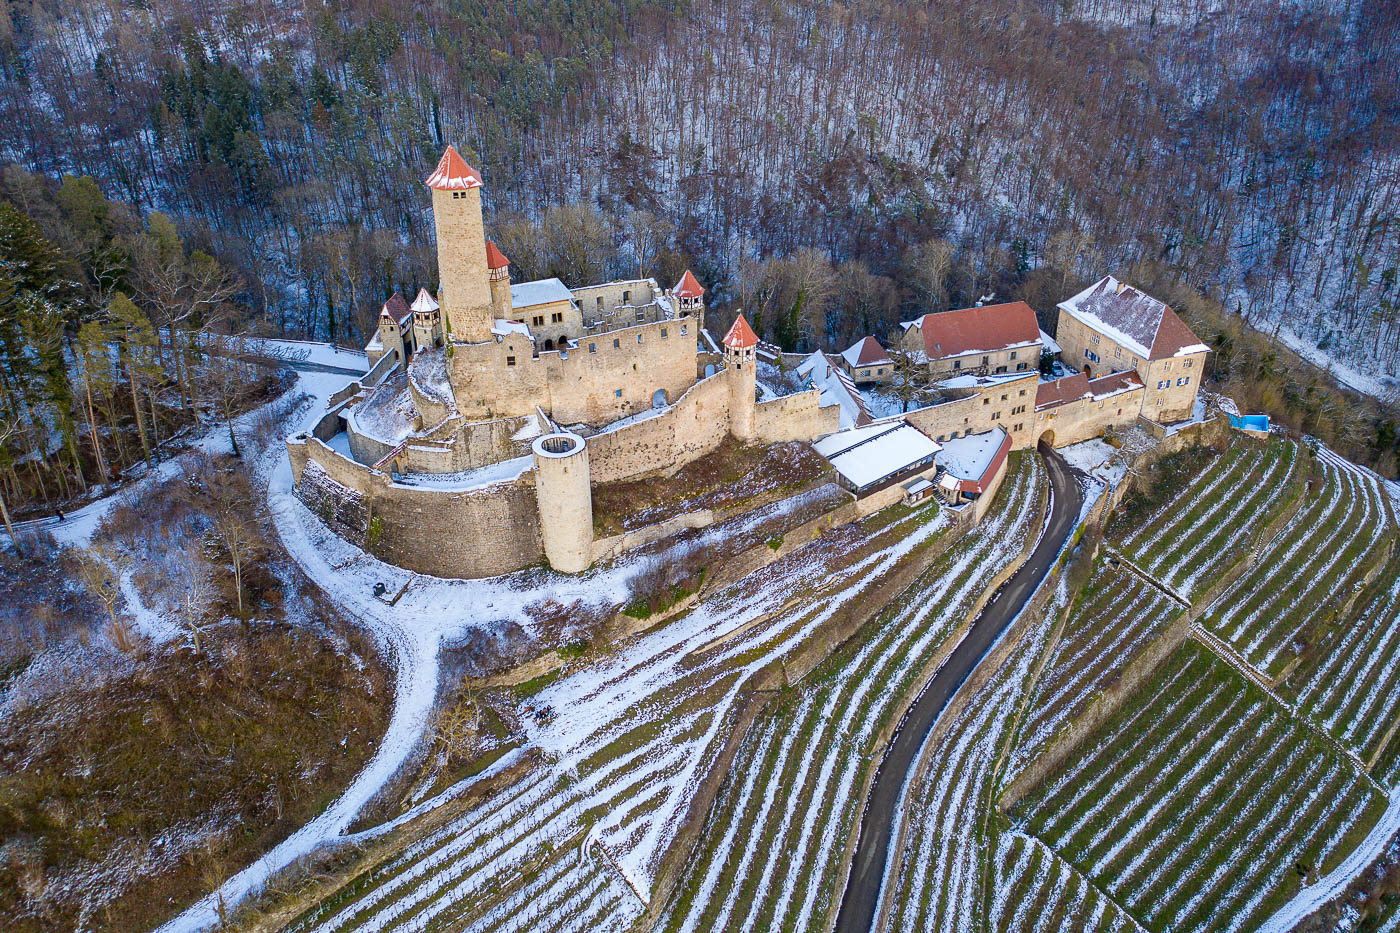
632	737
1114	617
938	878
1039	892
1272	613
1198	804
1211	525
771	856
1351	685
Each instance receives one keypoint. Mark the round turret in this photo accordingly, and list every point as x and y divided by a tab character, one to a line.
565	498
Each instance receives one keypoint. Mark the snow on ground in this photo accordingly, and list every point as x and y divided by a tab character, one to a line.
306	351
1347	375
503	471
1087	455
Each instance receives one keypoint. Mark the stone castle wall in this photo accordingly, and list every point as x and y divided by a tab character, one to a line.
692	427
1086	418
798	417
472	533
607	377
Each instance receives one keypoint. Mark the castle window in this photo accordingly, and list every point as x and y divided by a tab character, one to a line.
641	315
880	371
1020	366
1023	393
996	416
537	320
617	342
1094	339
510	361
639	338
986	401
600	301
592	348
626	297
1018	427
1163	385
1188	363
986	360
617	393
682	328
957	364
1003	396
557	317
1118	352
1012	356
663	333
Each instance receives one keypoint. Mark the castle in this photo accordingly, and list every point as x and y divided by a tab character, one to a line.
471	445
490	412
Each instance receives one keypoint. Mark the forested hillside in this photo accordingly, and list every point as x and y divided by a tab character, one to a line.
832	166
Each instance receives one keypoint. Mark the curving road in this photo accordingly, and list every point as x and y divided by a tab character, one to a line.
862	897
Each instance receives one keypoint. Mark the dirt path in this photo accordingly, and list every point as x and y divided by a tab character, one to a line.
862	897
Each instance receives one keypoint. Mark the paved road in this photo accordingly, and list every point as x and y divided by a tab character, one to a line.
862	895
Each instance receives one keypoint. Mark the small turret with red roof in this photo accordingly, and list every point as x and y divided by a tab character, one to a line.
740	336
689	294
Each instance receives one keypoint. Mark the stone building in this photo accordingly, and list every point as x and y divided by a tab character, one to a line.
1112	327
1003	338
866	361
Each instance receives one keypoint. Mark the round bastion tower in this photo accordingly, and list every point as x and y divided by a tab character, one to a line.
565	498
739	364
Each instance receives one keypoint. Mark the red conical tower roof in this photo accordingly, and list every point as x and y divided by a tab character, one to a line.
495	259
688	287
741	335
453	173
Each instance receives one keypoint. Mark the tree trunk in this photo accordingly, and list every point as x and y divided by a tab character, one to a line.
136	407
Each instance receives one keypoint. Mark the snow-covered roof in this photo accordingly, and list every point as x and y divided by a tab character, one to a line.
539	292
424	303
1062	390
865	352
917	485
453	173
975	381
836	389
505	328
974	459
1133	319
1114	383
865	456
977	330
1048	343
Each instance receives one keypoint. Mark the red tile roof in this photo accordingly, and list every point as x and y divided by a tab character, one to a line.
688	287
1115	382
495	259
865	353
741	335
988	328
453	173
397	308
1066	389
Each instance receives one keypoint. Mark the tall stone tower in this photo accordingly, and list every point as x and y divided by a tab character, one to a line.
461	247
499	267
739	365
565	498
